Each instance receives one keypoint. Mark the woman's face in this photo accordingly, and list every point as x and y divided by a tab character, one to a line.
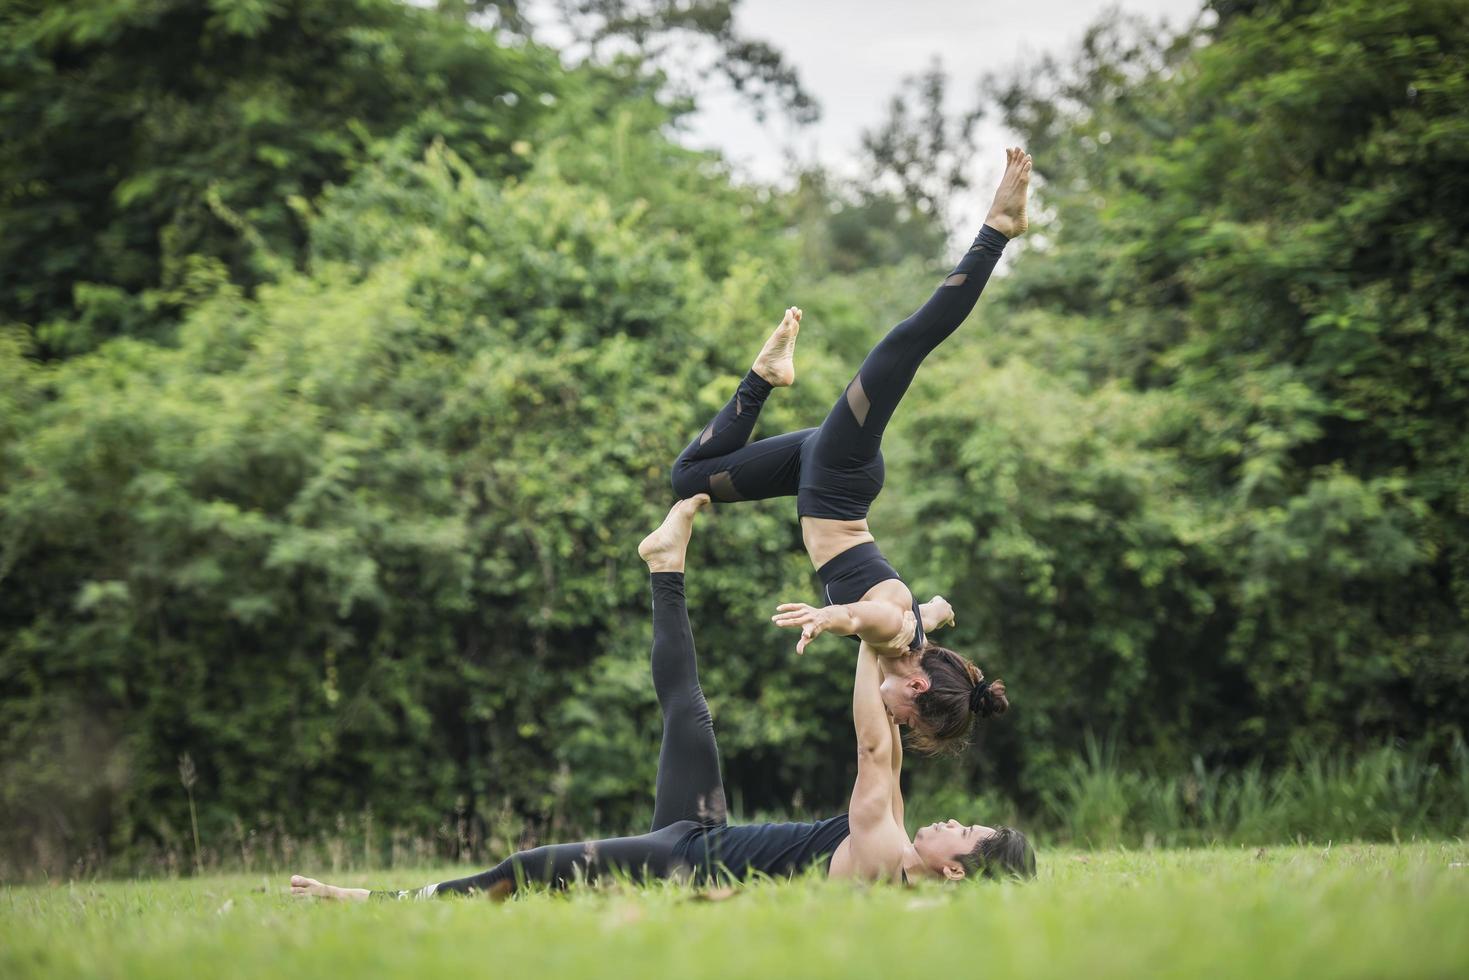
898	693
899	701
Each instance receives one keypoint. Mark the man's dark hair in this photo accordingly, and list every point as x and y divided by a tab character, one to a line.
1004	854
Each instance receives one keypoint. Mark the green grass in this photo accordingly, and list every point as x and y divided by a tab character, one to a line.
1344	911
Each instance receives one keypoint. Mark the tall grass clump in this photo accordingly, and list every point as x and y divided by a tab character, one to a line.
1388	793
1096	801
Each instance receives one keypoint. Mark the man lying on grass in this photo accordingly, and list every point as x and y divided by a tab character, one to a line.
691	839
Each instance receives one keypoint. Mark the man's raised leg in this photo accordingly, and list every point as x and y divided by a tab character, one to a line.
690	785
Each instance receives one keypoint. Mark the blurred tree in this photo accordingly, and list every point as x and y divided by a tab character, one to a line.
368	538
922	152
1248	529
660	32
361	532
846	226
141	135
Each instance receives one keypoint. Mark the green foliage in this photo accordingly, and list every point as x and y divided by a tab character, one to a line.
845	228
140	135
381	359
1197	475
664	34
368	539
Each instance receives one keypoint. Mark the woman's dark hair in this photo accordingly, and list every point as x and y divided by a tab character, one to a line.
1004	854
957	693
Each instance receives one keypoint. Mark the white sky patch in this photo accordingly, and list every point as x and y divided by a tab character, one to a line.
853	56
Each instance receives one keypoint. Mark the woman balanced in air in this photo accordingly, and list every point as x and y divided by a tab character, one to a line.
835	471
691	839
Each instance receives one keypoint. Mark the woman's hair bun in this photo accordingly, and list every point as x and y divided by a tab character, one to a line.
988	698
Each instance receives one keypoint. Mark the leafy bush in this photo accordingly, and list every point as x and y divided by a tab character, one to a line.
343	503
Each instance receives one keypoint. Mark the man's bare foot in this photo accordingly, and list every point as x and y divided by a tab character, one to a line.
664	549
304	887
1007	212
777	360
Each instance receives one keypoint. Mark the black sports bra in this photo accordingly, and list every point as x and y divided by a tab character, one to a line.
849	576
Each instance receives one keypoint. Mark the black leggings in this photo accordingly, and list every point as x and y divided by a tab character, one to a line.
836	470
690	793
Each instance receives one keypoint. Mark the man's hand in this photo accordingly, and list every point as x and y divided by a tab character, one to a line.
909	630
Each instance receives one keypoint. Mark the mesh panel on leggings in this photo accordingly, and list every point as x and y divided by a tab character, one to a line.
857	400
957	279
721	486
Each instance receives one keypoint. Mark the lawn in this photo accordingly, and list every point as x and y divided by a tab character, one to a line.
1340	911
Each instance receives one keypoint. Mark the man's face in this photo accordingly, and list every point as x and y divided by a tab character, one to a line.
941	844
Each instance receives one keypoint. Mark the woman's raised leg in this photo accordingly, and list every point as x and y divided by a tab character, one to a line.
719	462
852	432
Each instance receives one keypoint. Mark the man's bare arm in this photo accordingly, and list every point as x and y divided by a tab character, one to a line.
897	776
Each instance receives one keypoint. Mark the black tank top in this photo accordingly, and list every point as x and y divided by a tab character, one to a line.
779	850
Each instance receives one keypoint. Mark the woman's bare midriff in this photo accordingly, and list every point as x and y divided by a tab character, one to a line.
825	538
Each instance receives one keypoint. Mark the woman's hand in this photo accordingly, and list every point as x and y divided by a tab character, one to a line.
943	612
812	622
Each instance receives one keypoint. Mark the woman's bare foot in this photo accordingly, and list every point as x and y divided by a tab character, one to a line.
1007	212
777	360
664	549
304	887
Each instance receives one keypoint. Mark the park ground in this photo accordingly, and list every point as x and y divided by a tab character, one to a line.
1339	911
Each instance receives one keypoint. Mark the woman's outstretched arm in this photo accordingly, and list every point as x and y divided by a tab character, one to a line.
880	624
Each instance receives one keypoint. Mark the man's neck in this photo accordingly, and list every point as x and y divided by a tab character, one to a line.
913	866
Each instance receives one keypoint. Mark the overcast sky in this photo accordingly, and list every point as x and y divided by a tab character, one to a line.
853	55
